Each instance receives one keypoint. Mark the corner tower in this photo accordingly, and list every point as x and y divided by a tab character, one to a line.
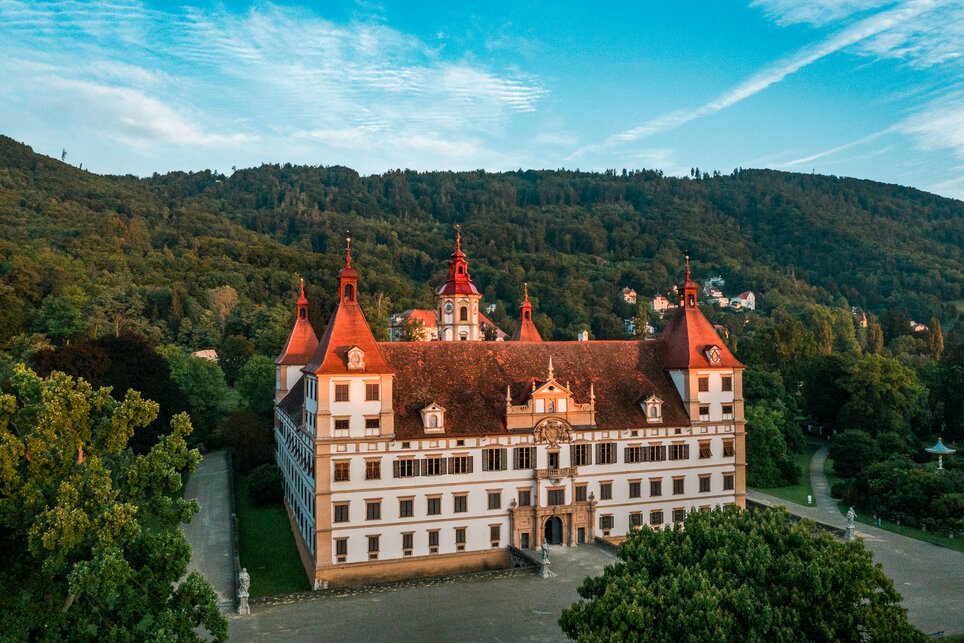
457	301
706	374
301	345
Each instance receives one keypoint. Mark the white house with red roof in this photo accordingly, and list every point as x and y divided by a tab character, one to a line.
745	299
404	459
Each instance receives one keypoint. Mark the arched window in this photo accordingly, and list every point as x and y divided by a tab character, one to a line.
691	301
552	407
527	315
464	313
302	313
433	421
349	292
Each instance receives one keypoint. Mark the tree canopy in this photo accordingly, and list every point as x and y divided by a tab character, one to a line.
736	575
91	531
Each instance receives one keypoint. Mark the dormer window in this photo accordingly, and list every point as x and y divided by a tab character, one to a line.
433	418
653	408
713	354
356	359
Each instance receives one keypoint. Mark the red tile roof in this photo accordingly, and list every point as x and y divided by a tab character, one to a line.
428	317
302	342
687	336
346	328
458	281
469	379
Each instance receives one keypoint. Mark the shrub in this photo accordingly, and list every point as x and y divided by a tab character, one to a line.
264	485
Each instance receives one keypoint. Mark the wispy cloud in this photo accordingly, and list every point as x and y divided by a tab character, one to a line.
834	150
199	76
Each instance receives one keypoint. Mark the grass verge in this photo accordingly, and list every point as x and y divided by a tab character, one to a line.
933	537
798	492
267	546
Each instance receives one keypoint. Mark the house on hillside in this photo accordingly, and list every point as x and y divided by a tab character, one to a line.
661	304
917	327
209	354
744	300
629	295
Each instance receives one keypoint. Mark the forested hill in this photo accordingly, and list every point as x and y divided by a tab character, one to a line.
81	254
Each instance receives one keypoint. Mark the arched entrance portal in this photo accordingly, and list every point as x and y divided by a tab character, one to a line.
552	533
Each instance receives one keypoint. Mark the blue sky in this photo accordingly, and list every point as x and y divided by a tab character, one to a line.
848	87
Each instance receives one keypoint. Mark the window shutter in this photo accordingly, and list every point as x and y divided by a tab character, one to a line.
424	463
503	460
515	453
686	452
395	468
646	451
415	468
444	465
626	455
451	465
599	454
469	461
485	459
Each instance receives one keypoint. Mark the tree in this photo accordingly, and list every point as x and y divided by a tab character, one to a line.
952	391
853	451
884	395
736	575
232	355
769	463
90	532
935	339
203	382
64	316
256	385
412	331
222	300
378	310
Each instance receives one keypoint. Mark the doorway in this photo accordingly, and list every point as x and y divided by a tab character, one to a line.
553	531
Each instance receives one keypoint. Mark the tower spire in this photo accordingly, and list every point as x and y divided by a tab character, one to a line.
687	267
527	331
348	249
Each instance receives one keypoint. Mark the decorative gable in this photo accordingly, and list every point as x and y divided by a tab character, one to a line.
653	408
433	418
356	359
713	354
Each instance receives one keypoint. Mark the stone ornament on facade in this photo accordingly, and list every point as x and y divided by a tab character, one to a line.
553	432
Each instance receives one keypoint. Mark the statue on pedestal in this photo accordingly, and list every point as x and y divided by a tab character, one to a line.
244	585
544	571
849	528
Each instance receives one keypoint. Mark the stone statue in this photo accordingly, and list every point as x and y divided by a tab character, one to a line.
849	528
545	552
544	568
244	586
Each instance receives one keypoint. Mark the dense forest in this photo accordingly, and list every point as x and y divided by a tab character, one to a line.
118	278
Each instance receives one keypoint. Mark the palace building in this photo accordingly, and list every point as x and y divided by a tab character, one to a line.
403	459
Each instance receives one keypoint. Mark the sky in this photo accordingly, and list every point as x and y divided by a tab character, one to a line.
860	88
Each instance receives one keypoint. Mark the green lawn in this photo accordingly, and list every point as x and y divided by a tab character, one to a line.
911	532
798	492
267	547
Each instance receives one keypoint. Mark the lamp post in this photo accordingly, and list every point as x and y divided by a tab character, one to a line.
940	451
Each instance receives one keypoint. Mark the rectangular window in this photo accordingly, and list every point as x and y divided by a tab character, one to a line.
727	411
373	470
341	512
434	506
579	454
460	536
634	489
705	449
679	514
341	549
728	451
372	547
525	498
523	457
493	460
460	464
605	523
656	487
606	453
636	519
654	453
373	510
704	413
633	455
581	493
342	424
341	392
727	383
704	384
605	491
433	466
373	423
406	508
405	468
679	452
495	500
371	392
433	541
727	482
461	503
342	471
656	517
556	497
704	484
408	543
495	534
678	484
553	457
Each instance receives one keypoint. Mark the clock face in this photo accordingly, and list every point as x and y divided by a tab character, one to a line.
449	307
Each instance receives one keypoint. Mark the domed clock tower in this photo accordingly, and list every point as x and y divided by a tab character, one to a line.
457	301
